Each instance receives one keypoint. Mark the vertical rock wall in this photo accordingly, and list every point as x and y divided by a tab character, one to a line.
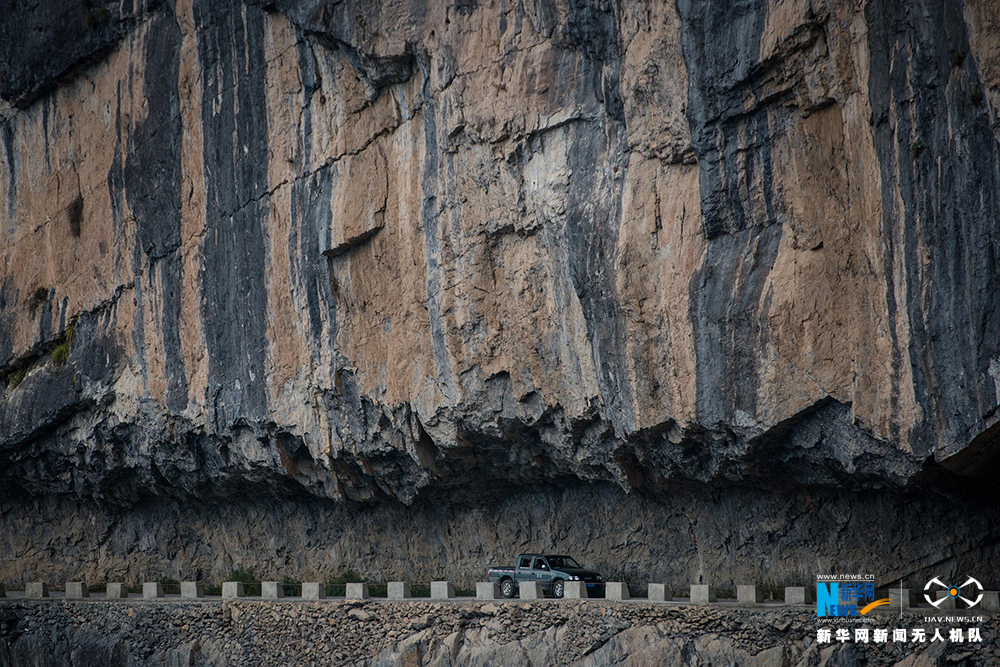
347	256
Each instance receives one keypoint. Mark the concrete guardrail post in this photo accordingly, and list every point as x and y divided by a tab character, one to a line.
152	589
487	590
658	593
232	590
36	590
77	589
398	590
748	595
575	590
531	590
116	591
271	590
192	589
902	598
316	590
616	590
798	595
702	594
442	590
356	591
990	601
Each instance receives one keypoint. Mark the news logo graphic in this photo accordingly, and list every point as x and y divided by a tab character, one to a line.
853	596
952	592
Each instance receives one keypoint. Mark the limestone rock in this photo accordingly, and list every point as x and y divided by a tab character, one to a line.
740	258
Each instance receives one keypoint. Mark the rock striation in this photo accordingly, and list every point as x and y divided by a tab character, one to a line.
298	284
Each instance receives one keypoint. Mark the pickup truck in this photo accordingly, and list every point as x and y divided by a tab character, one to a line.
549	570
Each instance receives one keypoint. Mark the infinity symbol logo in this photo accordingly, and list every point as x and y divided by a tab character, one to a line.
954	592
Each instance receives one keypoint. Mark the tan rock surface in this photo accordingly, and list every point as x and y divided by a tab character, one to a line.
363	250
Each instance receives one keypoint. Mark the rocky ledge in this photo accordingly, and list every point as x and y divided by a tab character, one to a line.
336	263
412	634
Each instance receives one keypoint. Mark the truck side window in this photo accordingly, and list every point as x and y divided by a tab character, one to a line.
525	563
540	564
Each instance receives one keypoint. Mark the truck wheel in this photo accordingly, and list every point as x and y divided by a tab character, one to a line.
507	588
557	588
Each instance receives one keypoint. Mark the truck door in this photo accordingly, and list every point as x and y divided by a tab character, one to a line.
543	574
523	569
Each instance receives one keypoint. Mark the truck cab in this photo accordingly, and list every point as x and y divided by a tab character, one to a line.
550	570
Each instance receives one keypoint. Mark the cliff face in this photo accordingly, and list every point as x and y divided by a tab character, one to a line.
551	257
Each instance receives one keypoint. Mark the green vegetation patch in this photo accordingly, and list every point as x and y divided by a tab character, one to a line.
60	353
169	585
246	576
290	586
15	377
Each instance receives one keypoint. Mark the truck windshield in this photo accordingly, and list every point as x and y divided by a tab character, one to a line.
562	562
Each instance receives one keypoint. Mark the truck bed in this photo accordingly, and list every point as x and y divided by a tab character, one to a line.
496	573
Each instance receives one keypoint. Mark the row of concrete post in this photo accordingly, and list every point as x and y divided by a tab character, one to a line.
701	594
270	590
